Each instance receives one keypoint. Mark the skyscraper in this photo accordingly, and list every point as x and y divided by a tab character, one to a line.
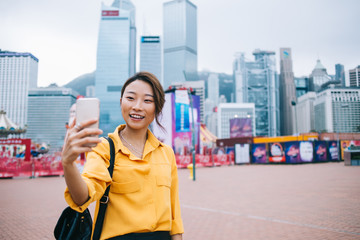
48	112
180	40
150	55
340	74
18	73
115	59
257	82
287	92
354	75
318	77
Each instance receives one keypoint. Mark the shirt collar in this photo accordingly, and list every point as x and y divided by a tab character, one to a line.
150	145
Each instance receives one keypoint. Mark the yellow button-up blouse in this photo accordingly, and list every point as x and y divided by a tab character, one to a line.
144	194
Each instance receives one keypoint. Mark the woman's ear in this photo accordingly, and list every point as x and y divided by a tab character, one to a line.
120	101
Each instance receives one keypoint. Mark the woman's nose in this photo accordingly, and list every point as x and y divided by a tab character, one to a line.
137	105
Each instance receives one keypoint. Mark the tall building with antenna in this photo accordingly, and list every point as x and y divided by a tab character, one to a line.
115	59
180	40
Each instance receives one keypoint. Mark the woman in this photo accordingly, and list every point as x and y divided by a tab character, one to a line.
144	200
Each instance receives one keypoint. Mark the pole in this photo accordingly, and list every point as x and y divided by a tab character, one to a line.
192	134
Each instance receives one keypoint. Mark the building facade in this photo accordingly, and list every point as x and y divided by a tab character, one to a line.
48	114
151	56
257	82
18	74
337	110
180	40
318	77
115	59
354	77
301	85
340	74
304	112
227	111
287	92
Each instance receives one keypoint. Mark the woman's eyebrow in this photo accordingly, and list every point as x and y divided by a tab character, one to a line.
146	94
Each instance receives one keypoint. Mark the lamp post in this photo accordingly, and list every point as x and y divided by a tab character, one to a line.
293	103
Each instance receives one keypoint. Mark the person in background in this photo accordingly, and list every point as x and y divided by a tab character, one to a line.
144	196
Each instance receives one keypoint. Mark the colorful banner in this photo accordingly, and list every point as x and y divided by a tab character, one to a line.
259	153
182	120
276	152
240	127
346	144
320	151
306	151
333	151
292	152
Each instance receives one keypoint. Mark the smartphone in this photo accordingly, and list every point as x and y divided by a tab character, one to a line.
87	109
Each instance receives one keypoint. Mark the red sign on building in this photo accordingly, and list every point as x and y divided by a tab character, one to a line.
108	13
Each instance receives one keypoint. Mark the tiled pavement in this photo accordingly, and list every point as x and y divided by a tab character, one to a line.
295	202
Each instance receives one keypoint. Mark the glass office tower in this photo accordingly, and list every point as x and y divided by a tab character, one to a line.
150	55
257	82
115	59
180	40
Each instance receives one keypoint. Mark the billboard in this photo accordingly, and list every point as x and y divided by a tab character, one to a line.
320	151
258	153
306	149
276	152
292	152
242	153
182	120
333	149
240	127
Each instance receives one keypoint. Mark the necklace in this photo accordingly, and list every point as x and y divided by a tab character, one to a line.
130	145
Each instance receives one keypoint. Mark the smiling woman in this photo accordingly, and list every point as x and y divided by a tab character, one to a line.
144	198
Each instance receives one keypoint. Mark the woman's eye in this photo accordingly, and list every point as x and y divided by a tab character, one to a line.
130	98
148	100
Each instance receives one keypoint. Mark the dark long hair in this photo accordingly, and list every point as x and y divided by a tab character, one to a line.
159	95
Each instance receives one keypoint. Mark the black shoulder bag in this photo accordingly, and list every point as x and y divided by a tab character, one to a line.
73	225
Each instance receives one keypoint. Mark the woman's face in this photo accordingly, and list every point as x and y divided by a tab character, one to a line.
137	105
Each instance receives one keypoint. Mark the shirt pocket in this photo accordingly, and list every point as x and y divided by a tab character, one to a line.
163	181
125	187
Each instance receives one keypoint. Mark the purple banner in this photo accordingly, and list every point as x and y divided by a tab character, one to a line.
333	151
292	152
240	127
320	151
259	153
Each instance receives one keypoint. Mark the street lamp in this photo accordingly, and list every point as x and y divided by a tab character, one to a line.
293	103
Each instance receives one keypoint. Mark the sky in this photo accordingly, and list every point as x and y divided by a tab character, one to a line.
63	34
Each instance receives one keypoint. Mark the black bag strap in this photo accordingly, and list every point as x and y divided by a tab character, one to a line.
105	198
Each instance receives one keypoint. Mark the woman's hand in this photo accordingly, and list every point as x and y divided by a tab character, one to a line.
76	139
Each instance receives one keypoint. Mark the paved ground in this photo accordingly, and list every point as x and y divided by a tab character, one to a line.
312	201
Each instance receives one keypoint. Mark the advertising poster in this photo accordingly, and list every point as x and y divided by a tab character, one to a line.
276	152
333	151
346	144
259	153
182	120
292	152
242	153
306	151
230	151
240	127
320	151
196	112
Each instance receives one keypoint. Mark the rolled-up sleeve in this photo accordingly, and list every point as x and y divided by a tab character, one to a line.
95	175
177	223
